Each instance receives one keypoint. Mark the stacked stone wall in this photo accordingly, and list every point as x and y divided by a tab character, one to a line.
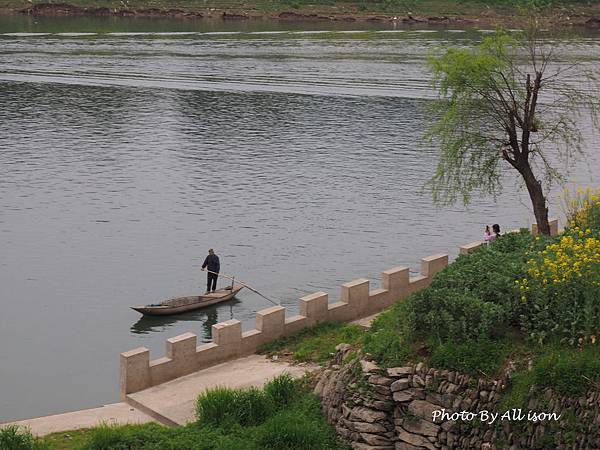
400	409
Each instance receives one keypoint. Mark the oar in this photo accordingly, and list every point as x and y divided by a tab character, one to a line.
232	278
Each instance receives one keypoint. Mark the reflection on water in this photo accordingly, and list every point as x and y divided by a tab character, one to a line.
298	157
208	316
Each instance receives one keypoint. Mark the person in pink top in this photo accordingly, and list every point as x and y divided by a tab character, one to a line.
488	236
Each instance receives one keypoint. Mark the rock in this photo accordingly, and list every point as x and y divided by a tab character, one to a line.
401	397
420	426
369	366
364	427
415	439
451	388
447	400
423	409
400	385
419	367
346	411
435	398
418	381
379	404
448	426
450	440
381	390
363	414
408	395
400	372
361	446
405	446
378	379
375	439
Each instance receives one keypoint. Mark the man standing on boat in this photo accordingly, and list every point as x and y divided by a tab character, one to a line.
212	264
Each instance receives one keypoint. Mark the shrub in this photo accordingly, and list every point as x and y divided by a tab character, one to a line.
566	371
472	357
561	291
583	209
453	315
300	427
489	273
224	407
13	437
282	390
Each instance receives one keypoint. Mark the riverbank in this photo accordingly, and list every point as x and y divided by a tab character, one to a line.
434	12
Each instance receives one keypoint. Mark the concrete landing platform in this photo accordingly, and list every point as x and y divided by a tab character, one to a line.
116	413
174	402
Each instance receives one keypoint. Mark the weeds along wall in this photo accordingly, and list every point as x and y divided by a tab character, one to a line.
357	300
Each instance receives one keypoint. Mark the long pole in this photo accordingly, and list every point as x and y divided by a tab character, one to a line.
243	284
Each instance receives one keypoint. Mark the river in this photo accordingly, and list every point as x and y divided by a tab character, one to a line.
129	147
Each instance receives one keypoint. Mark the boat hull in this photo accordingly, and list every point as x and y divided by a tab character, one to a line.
183	304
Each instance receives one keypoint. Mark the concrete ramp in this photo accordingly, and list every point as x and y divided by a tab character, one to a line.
116	413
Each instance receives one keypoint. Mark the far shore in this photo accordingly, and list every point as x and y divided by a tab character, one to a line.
434	13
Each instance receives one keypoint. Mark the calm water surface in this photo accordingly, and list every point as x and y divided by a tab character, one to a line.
128	148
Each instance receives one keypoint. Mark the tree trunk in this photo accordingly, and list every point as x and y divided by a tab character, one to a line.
538	200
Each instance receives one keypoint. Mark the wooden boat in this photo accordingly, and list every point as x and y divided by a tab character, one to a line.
183	304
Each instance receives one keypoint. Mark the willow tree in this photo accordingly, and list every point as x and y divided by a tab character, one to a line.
507	102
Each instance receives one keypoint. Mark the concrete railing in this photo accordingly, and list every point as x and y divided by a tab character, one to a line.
357	300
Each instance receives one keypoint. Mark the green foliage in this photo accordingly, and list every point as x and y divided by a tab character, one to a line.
467	130
283	415
489	117
225	407
387	341
283	390
316	343
149	437
561	290
452	315
473	357
301	427
566	371
475	297
13	437
66	440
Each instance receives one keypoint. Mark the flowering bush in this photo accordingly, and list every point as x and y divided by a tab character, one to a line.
583	208
561	289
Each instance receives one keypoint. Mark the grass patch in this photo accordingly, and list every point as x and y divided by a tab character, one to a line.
282	415
13	437
386	340
315	344
567	371
67	440
482	357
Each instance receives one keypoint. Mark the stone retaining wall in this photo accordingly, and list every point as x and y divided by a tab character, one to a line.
357	300
394	409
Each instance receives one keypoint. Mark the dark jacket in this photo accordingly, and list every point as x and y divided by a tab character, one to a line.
212	261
